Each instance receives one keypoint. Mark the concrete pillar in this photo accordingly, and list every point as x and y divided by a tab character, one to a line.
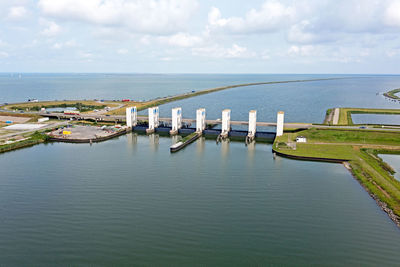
153	119
226	122
131	117
252	123
176	120
200	120
279	123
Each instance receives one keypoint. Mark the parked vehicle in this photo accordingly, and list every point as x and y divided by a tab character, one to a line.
71	112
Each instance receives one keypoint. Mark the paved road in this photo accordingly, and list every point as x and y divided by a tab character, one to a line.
121	119
336	113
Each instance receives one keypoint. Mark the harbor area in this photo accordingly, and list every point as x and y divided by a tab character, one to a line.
86	133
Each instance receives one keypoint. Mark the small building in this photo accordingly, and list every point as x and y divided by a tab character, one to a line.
301	139
43	119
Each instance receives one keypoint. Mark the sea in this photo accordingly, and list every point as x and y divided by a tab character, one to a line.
128	201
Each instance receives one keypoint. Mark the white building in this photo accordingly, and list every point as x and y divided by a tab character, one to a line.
226	122
252	123
153	119
131	117
176	120
280	123
301	139
200	120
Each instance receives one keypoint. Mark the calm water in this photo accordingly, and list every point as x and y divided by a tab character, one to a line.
394	161
128	201
16	88
302	102
376	119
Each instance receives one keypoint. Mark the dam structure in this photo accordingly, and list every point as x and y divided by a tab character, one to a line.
177	125
176	121
154	114
252	126
131	117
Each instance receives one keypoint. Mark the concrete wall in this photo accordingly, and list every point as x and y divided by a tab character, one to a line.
226	120
131	117
154	114
176	119
279	123
200	119
252	122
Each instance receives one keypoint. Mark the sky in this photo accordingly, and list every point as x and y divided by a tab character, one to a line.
200	36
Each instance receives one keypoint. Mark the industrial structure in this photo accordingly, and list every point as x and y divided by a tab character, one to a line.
226	123
200	120
154	114
279	123
252	126
176	120
131	117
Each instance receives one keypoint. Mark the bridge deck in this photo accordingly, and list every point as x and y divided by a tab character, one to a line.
145	118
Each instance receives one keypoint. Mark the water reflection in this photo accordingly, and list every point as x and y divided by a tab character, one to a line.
251	150
175	139
132	141
200	146
154	141
225	150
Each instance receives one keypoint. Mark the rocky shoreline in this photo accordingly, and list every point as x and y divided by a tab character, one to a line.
381	204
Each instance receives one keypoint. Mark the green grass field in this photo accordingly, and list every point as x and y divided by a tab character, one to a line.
345	113
392	94
351	136
360	148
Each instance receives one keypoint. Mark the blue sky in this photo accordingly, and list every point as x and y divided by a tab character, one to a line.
193	36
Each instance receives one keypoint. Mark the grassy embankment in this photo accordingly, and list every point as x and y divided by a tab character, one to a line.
164	100
188	137
345	113
360	149
328	116
33	139
82	106
392	94
34	106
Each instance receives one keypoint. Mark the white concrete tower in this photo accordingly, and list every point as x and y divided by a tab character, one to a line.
226	122
131	117
153	119
200	120
279	123
176	120
252	123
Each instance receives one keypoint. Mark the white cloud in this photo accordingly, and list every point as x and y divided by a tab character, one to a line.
3	54
270	17
122	51
217	51
17	13
330	21
304	50
146	16
52	28
166	59
2	43
67	44
393	52
181	40
57	46
85	54
392	14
